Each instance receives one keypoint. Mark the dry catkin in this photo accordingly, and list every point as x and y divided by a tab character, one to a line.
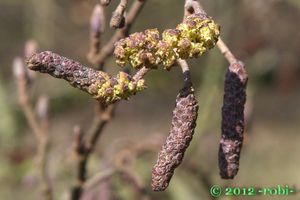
181	133
232	120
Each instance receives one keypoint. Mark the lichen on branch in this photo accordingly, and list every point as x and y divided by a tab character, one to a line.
192	38
100	85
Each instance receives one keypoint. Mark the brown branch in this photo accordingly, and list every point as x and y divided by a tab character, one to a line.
38	124
104	114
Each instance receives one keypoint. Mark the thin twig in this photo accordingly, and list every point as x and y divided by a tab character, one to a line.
130	176
40	130
97	178
226	52
141	73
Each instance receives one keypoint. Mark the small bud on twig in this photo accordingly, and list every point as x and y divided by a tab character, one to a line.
105	2
18	68
118	19
97	21
30	48
232	120
42	109
181	133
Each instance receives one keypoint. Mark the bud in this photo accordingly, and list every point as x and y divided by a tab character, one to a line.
105	2
232	120
181	133
117	20
30	48
18	68
97	21
42	108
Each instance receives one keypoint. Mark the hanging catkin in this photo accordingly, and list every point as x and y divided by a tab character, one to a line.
232	120
181	133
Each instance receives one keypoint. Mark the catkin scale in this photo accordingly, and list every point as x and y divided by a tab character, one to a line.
232	120
181	133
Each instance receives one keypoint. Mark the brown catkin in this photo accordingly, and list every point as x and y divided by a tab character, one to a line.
181	133
232	120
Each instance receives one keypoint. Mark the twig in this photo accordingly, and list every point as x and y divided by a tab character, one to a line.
226	52
132	178
192	6
40	130
141	73
103	113
97	178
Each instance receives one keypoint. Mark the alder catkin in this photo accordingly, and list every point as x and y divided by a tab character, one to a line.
190	39
181	133
232	120
100	85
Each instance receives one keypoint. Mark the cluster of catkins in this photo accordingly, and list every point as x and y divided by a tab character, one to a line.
189	39
192	38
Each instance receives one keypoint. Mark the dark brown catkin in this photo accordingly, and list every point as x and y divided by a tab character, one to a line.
181	133
232	120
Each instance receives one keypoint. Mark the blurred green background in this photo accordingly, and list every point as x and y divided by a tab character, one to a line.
263	34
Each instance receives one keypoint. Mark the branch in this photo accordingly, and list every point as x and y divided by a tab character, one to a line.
38	125
104	113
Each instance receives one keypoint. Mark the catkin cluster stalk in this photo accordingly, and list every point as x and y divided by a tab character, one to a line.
232	120
181	133
100	85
